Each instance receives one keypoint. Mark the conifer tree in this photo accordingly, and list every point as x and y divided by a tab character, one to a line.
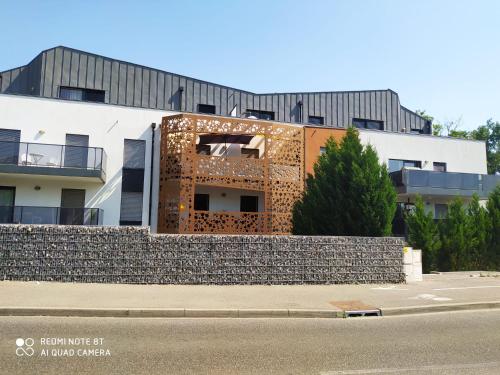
478	236
493	207
350	193
455	238
423	234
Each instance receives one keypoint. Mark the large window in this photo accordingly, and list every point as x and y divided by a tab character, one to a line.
262	115
316	120
367	124
206	108
397	164
134	154
86	95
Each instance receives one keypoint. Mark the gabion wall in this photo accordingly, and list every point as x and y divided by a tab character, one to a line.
132	255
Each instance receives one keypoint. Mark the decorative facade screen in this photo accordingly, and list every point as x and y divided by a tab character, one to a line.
277	173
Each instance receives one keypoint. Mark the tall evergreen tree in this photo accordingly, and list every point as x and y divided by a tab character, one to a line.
350	193
478	236
493	207
423	234
455	238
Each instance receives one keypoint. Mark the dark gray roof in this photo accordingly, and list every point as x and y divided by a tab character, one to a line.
136	85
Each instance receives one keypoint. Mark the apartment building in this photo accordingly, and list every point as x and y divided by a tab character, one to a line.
86	139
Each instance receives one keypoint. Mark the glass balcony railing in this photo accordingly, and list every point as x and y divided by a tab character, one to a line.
443	183
50	155
50	215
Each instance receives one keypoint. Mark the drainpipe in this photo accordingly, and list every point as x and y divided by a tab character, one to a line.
181	90
299	103
153	127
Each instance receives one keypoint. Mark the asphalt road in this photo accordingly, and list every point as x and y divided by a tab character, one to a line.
445	343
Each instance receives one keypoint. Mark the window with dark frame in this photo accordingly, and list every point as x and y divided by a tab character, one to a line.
322	150
439	167
249	203
367	124
203	149
250	153
262	115
206	108
316	120
202	202
80	94
134	153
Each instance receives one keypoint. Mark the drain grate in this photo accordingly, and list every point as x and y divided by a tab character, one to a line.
360	313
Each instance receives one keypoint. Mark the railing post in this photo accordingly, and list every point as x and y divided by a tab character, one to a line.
61	159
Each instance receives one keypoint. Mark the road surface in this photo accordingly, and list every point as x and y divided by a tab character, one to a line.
444	343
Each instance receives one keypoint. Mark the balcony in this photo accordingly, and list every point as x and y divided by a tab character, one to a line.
50	215
424	182
53	160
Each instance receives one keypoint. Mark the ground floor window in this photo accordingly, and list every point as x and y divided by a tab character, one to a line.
202	202
249	203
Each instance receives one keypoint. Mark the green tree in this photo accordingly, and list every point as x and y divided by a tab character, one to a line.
423	234
350	193
437	128
478	233
454	231
493	207
490	133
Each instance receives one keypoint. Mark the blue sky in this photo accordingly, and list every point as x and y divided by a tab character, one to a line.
441	56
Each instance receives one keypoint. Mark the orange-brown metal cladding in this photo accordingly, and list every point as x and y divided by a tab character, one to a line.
278	174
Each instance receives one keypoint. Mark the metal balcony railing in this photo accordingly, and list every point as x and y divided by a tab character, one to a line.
51	155
50	215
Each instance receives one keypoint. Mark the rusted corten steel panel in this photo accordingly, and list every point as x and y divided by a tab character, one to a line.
278	173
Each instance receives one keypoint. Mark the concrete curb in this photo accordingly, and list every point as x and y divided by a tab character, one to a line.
232	313
169	313
394	311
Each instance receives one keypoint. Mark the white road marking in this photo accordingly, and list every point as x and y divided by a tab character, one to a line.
431	297
470	287
408	369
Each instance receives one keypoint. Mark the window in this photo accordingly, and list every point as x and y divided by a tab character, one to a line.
9	146
206	108
202	202
439	167
203	149
397	164
249	203
316	120
262	115
440	211
367	124
322	150
86	95
250	153
76	151
7	199
134	154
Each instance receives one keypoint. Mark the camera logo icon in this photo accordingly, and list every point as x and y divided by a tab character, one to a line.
24	347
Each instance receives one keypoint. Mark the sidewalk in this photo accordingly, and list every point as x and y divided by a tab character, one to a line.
451	291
